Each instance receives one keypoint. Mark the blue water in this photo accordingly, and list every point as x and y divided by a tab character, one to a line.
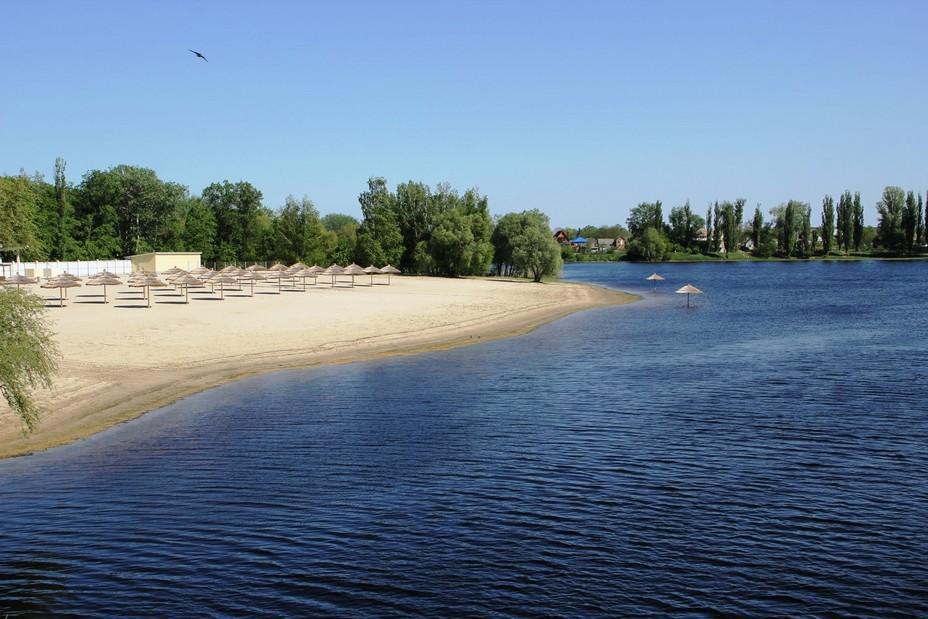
764	453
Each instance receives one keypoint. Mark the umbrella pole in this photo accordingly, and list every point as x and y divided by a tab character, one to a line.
222	294
187	294
104	295
61	297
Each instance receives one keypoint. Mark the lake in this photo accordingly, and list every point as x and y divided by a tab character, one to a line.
763	453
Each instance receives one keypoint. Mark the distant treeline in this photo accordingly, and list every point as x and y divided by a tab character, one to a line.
902	229
128	210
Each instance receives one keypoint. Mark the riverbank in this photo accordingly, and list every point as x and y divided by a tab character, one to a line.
122	360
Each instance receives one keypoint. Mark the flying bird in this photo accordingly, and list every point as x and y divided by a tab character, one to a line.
197	54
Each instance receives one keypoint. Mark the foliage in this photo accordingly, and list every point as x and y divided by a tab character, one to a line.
890	211
650	246
17	213
684	224
828	223
28	355
523	244
645	215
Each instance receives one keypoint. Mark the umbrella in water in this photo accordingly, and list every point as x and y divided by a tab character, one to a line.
654	277
688	290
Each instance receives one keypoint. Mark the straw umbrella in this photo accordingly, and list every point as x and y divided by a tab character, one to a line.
372	271
688	290
104	280
334	270
390	270
61	283
654	277
314	271
146	282
73	278
19	280
222	279
251	277
353	270
187	281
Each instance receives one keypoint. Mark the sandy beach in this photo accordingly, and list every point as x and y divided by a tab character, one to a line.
122	359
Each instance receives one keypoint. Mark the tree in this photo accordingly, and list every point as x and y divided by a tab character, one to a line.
236	208
533	248
828	223
298	233
29	355
709	222
920	224
63	209
890	209
132	202
790	223
910	221
858	222
645	215
198	228
808	243
452	243
756	226
17	213
730	227
380	241
684	224
415	215
717	229
650	246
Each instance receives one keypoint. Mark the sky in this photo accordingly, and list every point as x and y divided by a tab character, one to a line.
580	109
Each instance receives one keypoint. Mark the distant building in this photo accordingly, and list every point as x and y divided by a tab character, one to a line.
160	261
561	237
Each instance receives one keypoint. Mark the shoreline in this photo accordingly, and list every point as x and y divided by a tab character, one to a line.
84	404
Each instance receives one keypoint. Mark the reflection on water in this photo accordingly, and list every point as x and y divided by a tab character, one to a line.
760	454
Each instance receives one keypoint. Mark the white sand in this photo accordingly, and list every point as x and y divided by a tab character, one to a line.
121	359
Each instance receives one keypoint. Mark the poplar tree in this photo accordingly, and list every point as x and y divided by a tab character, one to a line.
828	223
848	221
920	225
858	222
839	228
807	243
61	202
756	227
717	230
709	230
910	221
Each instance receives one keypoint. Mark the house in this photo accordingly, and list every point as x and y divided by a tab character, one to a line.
605	245
561	237
160	261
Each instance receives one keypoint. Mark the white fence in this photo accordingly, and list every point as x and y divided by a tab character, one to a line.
81	268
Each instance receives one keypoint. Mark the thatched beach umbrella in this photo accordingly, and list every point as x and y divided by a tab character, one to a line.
251	277
279	268
654	278
688	290
146	282
104	280
255	267
372	271
201	270
222	279
62	284
353	270
105	273
19	280
69	277
187	281
314	271
334	270
390	270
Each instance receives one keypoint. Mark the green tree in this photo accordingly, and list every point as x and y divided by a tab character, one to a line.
709	228
645	215
920	224
757	225
334	222
143	206
64	211
17	214
28	355
534	250
910	221
298	233
452	243
717	229
684	224
237	209
808	242
828	223
380	241
198	228
858	222
890	210
414	209
650	246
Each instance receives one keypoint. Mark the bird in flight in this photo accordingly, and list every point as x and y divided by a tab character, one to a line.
197	54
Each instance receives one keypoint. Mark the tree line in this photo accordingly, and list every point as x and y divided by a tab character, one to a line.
127	210
787	232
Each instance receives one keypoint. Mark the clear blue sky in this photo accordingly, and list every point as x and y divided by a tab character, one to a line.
581	109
